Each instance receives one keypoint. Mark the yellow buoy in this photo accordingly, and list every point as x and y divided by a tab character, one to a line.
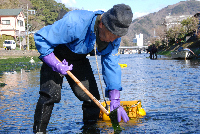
123	65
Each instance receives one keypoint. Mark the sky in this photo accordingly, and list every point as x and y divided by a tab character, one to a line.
139	7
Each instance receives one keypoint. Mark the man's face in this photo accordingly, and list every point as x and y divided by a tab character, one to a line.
105	34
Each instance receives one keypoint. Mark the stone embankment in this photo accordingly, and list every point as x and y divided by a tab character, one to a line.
17	53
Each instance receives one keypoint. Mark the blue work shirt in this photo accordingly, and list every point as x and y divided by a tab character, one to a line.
76	31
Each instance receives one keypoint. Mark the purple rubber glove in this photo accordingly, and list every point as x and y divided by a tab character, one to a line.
114	96
60	67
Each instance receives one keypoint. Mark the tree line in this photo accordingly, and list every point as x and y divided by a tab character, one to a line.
176	33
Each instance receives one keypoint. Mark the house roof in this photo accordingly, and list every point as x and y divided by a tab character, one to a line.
10	12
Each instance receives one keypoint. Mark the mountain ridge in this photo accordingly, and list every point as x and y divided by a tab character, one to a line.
146	24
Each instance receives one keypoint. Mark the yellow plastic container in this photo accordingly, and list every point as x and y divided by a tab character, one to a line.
133	109
123	65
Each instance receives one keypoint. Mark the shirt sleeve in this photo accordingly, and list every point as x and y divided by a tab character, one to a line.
111	70
64	31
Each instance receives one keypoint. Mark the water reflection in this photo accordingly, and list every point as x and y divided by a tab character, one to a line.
169	91
16	98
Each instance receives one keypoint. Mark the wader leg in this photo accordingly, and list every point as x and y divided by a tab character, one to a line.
90	112
42	115
50	93
83	72
150	55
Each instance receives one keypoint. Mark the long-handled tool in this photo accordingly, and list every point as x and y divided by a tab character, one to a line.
112	114
87	92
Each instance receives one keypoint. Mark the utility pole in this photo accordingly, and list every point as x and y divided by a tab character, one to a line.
27	29
27	25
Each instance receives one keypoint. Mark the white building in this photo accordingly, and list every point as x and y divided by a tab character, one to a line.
138	39
171	21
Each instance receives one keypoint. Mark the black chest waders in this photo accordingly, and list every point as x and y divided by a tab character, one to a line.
51	84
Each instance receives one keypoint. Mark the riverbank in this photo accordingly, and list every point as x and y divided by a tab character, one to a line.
193	45
4	54
12	61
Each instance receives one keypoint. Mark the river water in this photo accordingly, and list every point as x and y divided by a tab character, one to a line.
168	89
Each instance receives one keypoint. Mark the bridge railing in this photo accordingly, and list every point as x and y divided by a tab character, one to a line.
133	47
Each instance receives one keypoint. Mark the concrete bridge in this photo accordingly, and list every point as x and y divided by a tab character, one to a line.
132	49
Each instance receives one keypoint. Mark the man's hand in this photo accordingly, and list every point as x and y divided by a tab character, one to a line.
60	67
114	96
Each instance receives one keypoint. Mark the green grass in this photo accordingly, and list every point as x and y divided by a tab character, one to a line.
16	64
193	45
167	53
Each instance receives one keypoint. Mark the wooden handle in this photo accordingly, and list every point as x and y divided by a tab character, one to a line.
87	92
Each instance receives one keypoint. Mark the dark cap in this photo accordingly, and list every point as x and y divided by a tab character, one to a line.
118	19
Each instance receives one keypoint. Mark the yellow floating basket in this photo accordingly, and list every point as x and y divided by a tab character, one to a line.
133	109
123	65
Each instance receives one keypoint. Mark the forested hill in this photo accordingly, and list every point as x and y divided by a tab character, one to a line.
148	23
47	12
